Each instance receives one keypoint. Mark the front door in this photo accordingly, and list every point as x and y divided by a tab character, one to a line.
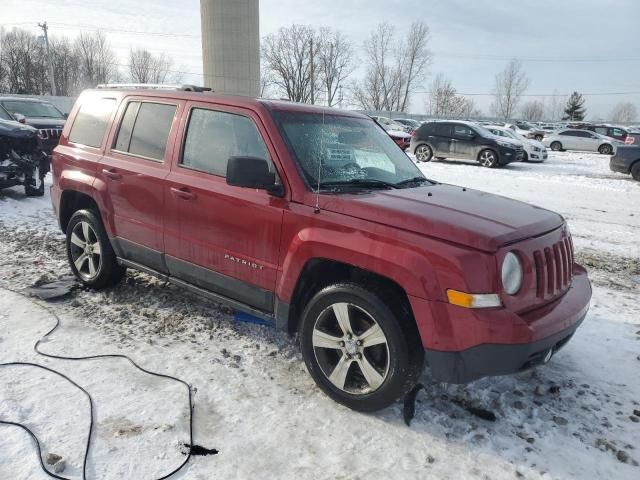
133	170
222	238
464	143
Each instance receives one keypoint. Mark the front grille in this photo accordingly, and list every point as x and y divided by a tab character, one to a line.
50	133
554	268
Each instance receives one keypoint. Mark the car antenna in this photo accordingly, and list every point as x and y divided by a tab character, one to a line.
316	210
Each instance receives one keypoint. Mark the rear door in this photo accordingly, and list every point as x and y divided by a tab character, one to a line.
442	139
222	238
133	170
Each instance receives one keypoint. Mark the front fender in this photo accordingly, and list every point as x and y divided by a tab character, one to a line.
397	262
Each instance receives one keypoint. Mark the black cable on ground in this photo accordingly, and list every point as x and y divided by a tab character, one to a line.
36	348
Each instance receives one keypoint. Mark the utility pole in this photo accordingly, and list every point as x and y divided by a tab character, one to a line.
313	79
52	80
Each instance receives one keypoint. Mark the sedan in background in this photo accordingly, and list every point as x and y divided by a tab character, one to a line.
534	151
408	123
582	140
42	115
391	125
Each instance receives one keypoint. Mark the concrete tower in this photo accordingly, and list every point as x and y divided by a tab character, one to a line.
231	46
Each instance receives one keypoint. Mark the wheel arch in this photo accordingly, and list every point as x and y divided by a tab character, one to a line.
319	273
70	202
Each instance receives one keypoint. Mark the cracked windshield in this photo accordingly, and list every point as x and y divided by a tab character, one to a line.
346	152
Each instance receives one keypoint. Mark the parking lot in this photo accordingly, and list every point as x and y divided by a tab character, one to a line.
573	418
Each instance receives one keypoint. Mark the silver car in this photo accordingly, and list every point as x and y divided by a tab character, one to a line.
584	140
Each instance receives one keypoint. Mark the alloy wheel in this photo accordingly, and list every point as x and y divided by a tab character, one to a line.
86	252
351	349
487	158
423	153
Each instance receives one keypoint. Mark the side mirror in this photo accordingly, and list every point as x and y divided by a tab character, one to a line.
252	172
66	116
20	118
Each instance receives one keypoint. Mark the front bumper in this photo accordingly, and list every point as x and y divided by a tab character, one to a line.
465	345
510	155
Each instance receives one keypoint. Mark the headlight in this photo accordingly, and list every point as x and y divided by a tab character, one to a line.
512	274
505	144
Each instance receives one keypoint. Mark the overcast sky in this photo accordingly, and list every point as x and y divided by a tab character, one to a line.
586	45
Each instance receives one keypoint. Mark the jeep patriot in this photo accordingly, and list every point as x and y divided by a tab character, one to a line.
312	219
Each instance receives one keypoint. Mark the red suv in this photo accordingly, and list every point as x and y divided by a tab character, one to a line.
315	221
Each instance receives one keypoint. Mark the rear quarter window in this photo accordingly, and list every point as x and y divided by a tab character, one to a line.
91	122
145	129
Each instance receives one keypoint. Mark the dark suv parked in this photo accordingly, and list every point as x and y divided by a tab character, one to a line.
464	140
313	220
627	157
41	115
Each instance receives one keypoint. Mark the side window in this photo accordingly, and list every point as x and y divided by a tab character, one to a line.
443	130
91	122
617	133
145	130
461	131
213	137
601	130
583	134
568	133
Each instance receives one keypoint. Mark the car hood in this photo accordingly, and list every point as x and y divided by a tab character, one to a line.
536	143
466	217
513	142
57	123
11	129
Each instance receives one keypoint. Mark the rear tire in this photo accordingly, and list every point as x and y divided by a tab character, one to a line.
424	153
360	352
488	158
556	146
605	149
89	251
539	137
635	171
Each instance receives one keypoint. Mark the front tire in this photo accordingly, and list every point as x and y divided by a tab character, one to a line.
89	251
359	352
424	153
605	149
556	146
34	186
488	158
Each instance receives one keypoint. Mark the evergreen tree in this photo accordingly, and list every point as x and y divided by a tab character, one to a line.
575	111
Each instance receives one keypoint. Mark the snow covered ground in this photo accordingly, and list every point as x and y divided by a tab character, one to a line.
255	402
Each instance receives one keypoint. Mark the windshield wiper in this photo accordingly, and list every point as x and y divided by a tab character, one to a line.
359	182
412	180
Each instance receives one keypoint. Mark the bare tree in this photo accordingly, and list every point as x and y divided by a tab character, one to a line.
395	69
510	84
444	100
288	56
555	107
533	111
624	112
144	67
97	60
335	59
66	67
23	63
413	62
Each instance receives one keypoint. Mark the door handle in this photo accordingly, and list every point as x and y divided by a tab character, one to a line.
182	193
112	174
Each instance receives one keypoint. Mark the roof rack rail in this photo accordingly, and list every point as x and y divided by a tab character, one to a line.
154	86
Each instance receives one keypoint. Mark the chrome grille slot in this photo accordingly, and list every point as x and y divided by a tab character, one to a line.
554	268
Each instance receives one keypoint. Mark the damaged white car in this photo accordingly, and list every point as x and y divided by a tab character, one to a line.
22	161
